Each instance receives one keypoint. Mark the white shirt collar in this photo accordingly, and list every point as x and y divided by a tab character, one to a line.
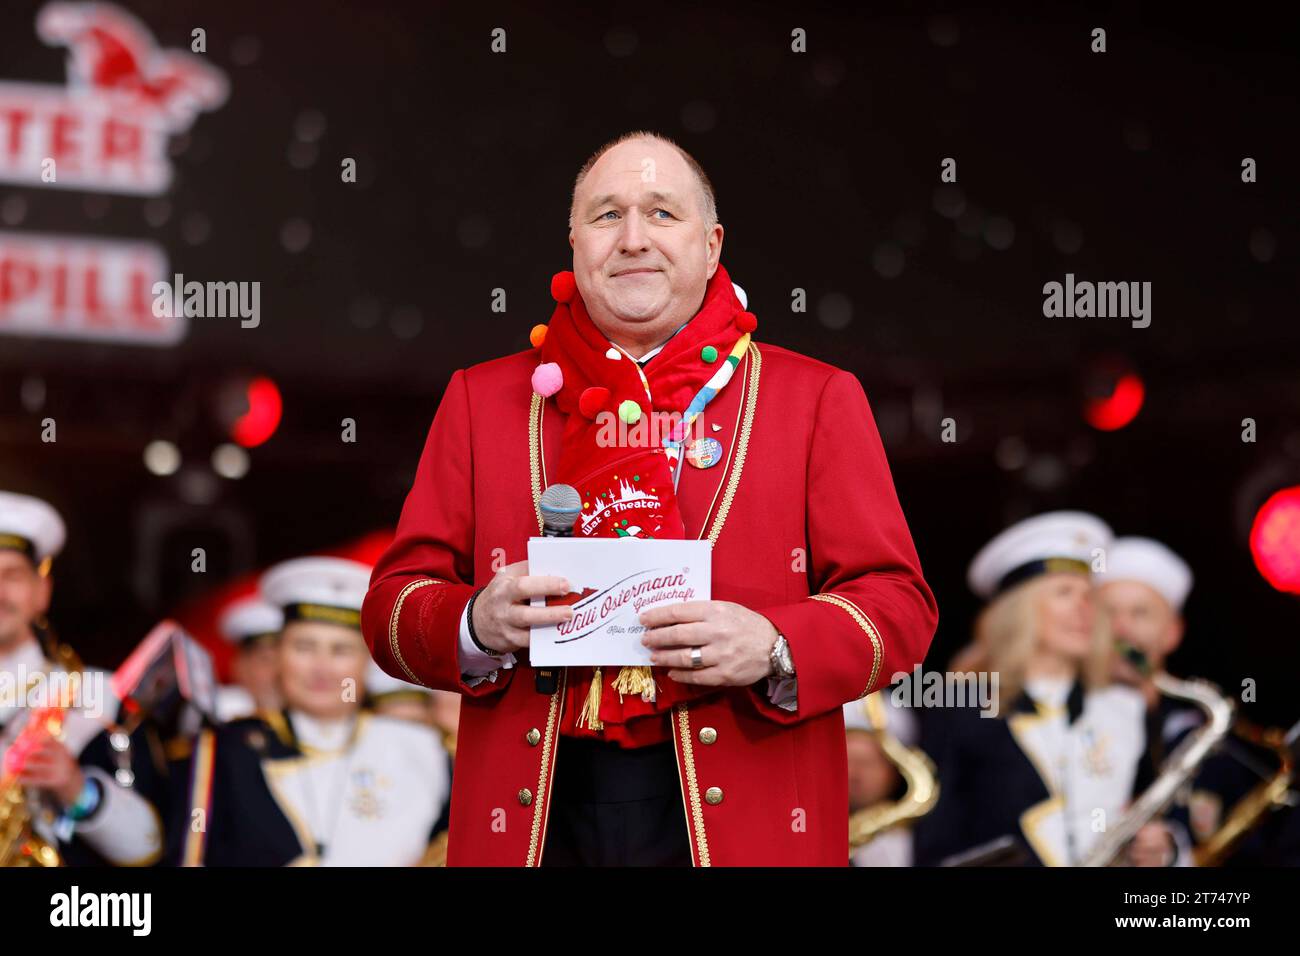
28	657
651	354
658	348
1051	691
326	735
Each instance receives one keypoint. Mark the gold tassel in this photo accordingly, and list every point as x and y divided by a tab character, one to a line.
636	680
590	715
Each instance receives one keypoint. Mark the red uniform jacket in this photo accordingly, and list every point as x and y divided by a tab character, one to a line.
806	529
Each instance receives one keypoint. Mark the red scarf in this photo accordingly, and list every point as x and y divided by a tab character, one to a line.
600	390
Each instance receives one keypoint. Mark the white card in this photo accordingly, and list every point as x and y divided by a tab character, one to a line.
613	580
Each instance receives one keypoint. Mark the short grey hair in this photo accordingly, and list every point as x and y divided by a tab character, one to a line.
710	203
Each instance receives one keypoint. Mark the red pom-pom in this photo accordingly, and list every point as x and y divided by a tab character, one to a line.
747	321
592	400
563	286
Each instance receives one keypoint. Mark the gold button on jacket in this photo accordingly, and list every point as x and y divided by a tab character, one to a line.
708	735
533	736
713	796
525	796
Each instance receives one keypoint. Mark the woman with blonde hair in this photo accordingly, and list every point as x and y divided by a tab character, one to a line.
1037	776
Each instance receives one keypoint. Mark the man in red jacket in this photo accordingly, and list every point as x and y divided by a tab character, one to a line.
731	749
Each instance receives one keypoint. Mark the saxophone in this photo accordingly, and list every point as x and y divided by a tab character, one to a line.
917	771
1178	768
1256	806
20	844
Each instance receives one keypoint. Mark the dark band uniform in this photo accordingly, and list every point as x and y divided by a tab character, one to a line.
1052	772
287	789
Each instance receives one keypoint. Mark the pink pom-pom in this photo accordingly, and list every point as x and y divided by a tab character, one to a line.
746	321
547	379
563	286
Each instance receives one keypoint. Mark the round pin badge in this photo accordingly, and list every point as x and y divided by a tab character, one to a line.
704	452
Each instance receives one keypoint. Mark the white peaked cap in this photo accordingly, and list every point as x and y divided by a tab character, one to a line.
870	711
1150	562
331	582
35	522
249	617
379	683
1068	535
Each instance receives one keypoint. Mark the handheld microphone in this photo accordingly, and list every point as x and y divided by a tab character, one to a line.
560	506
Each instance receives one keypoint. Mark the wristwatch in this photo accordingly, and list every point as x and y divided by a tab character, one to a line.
782	662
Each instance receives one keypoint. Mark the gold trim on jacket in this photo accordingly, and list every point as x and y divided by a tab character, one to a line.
864	622
393	645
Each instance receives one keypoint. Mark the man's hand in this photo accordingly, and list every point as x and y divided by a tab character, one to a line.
52	767
1153	846
736	643
502	615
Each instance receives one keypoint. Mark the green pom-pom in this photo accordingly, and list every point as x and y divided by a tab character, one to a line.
629	411
709	354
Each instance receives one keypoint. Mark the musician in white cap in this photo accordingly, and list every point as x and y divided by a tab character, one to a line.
874	778
1143	590
82	800
252	625
321	782
1066	751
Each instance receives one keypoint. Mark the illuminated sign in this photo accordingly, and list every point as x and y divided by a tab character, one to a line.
56	286
107	129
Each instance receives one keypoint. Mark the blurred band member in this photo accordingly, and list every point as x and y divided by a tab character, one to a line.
253	627
396	698
873	777
320	782
446	717
80	800
1143	590
402	700
1066	751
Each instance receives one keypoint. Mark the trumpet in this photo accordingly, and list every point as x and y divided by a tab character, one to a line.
917	771
1178	768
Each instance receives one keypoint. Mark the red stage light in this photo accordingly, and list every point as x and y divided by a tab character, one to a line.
1119	407
1275	540
263	416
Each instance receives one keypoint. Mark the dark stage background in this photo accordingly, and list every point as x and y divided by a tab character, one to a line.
1122	166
